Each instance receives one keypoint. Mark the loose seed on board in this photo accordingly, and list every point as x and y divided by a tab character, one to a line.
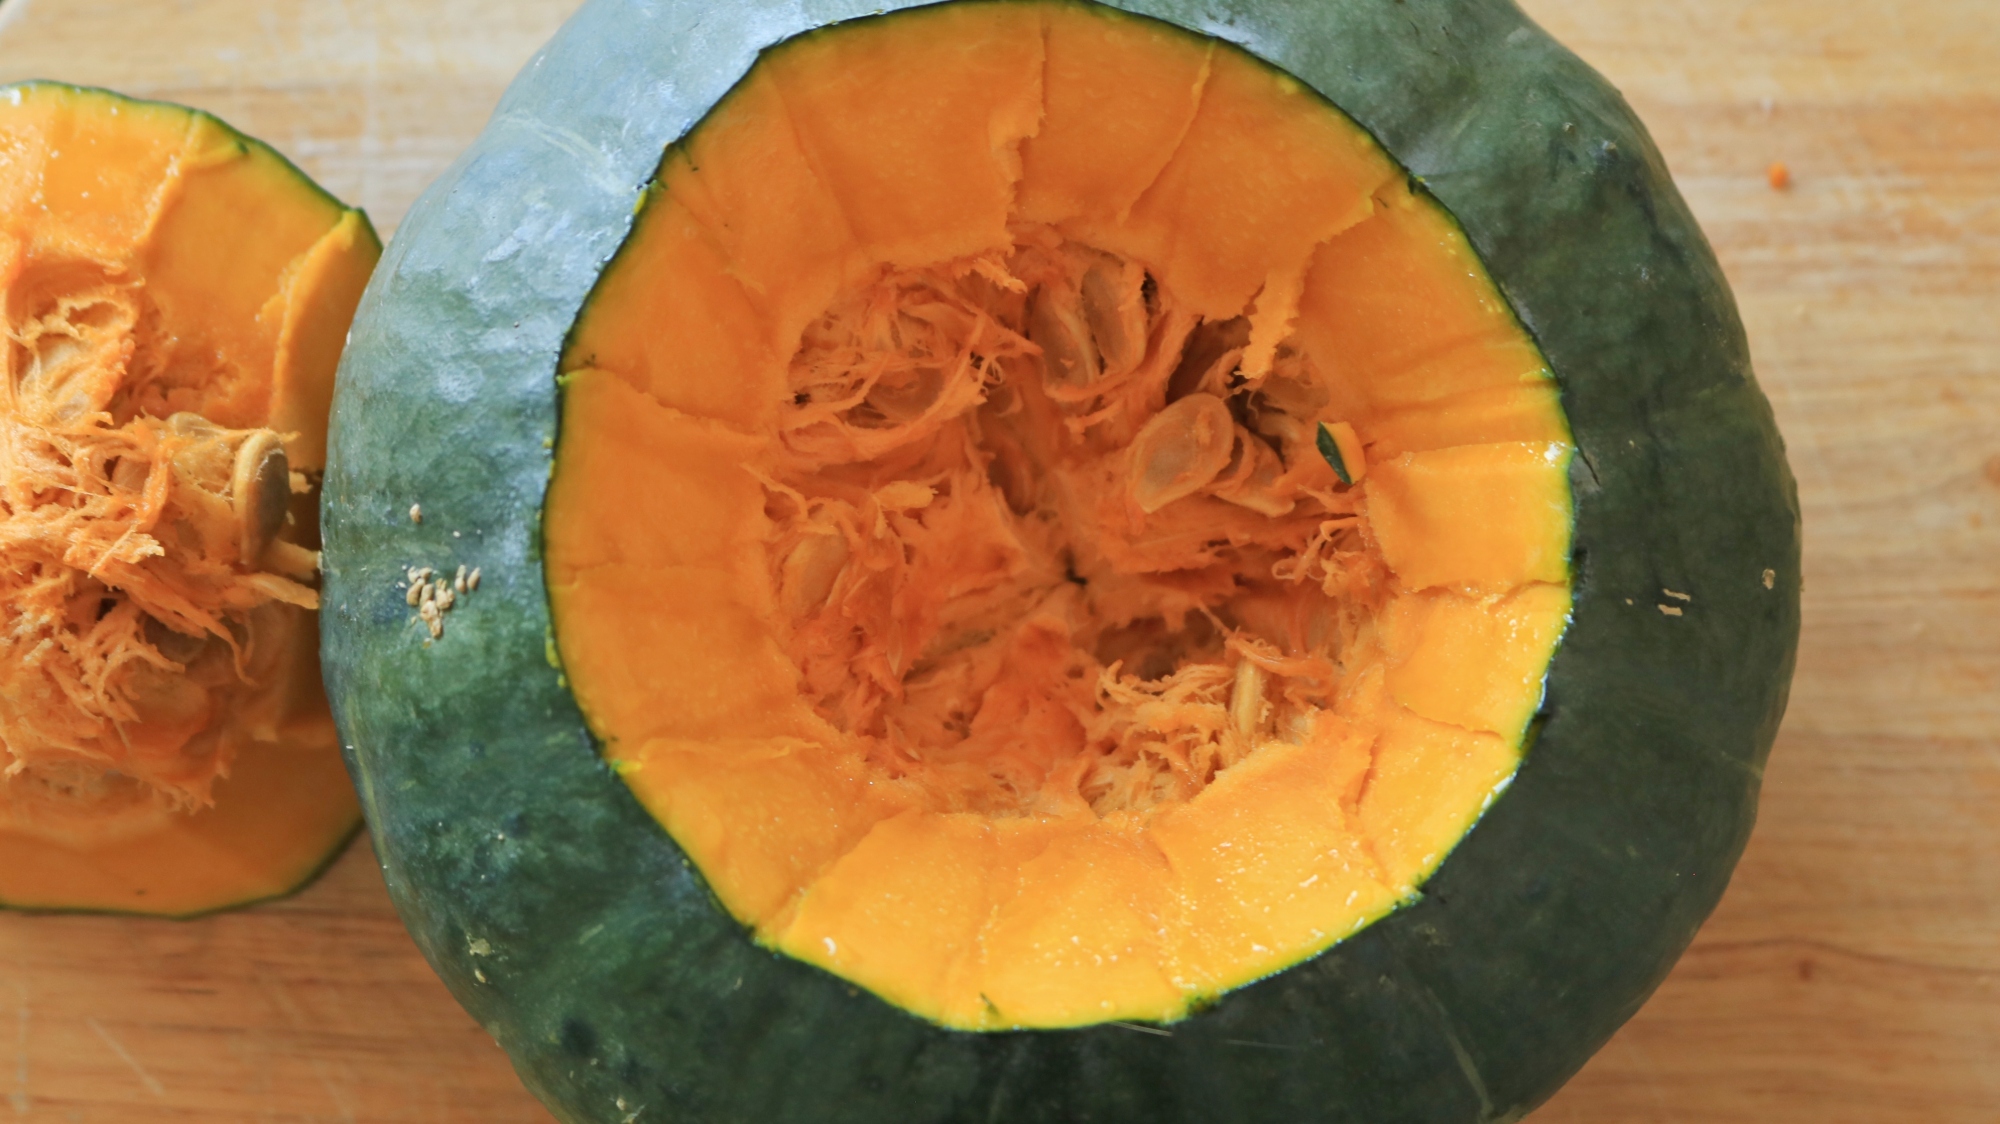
445	596
416	513
458	581
472	579
416	593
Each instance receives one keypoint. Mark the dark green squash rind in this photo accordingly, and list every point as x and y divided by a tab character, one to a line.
571	926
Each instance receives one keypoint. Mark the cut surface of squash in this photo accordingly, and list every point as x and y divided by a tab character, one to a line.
973	602
176	298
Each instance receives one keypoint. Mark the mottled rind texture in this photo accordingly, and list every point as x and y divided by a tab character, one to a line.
570	925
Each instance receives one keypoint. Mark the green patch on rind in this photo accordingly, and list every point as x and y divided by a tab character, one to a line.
1330	449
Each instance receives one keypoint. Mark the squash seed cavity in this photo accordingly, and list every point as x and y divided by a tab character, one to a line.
1037	477
148	580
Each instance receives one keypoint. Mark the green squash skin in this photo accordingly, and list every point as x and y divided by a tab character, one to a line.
570	925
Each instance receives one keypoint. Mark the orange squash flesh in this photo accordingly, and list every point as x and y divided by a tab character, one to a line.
278	817
886	130
177	299
966	594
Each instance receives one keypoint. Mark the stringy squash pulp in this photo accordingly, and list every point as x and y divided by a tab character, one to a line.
941	540
175	299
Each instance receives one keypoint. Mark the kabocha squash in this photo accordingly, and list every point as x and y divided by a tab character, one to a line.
1022	548
175	299
1089	692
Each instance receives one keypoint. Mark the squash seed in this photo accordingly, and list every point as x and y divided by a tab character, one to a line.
1181	450
1069	356
1114	305
1246	700
901	400
260	492
176	646
1251	478
810	572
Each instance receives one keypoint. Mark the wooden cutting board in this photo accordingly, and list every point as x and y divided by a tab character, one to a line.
1853	971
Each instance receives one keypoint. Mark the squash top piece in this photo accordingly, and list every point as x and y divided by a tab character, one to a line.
175	299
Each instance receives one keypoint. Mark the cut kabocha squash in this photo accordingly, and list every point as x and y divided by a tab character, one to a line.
1034	573
1021	552
176	297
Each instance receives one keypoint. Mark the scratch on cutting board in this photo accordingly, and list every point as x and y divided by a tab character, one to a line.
274	988
19	1097
151	1083
1655	1088
332	1090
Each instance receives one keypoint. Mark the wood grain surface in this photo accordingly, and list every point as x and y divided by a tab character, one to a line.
1852	974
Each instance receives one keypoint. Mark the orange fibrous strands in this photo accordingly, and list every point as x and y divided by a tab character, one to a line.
118	539
979	588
